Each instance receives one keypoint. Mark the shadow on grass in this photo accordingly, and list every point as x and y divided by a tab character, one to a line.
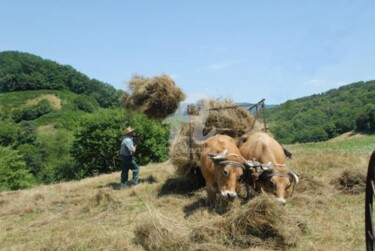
195	206
180	185
117	186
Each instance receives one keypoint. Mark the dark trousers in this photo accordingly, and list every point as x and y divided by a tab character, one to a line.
128	163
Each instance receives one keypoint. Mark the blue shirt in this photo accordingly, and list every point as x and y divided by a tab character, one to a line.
127	146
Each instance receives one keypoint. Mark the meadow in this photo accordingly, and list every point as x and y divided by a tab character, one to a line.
325	212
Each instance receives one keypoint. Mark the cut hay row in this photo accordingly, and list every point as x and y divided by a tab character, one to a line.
262	223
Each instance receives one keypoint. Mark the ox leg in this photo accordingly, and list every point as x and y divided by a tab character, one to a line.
247	191
211	198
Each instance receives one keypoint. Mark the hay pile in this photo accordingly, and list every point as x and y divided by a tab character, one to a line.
158	232
207	120
156	97
351	181
262	223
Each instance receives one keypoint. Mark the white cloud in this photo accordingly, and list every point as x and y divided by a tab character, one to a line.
315	82
221	65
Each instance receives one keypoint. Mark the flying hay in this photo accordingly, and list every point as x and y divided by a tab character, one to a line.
156	97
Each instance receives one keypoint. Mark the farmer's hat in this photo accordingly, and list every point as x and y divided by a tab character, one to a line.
129	130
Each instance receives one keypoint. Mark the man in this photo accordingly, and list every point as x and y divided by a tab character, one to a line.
127	161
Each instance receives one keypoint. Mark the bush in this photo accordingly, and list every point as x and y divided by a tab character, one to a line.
8	132
97	142
13	172
26	134
85	103
55	153
32	112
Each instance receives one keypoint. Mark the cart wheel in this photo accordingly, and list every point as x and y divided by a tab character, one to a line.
370	192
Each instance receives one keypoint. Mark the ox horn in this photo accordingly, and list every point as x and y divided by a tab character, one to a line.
295	179
295	176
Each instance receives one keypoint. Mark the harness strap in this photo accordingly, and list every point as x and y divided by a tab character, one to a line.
278	174
233	163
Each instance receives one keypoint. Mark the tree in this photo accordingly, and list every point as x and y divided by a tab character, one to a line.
366	119
13	172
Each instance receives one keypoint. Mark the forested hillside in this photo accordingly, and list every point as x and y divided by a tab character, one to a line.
24	71
56	124
324	116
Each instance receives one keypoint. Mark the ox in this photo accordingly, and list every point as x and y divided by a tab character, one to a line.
221	168
270	173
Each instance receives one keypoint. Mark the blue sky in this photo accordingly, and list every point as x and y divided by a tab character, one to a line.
243	50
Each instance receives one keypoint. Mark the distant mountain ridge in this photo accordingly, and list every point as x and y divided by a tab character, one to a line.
324	116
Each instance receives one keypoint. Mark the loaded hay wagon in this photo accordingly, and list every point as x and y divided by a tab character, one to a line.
207	119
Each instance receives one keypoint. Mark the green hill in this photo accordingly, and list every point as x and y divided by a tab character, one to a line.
324	116
58	124
23	71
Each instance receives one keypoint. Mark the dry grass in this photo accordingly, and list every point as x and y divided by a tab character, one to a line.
47	129
161	213
53	100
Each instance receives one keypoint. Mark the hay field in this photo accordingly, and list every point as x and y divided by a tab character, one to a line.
326	211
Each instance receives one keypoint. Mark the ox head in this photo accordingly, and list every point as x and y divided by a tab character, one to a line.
276	180
227	174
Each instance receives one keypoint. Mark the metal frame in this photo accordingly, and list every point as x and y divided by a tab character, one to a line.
260	106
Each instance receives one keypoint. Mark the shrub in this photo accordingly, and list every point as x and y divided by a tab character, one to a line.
55	151
13	172
32	112
85	103
97	142
8	132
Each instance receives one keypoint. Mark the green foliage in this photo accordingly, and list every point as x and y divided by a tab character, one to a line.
324	116
85	103
24	71
54	150
8	132
27	133
154	146
366	118
13	172
97	143
33	155
95	149
32	111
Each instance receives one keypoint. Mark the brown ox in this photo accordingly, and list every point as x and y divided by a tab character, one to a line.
221	168
272	177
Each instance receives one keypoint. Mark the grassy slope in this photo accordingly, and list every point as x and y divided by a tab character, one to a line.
92	214
66	116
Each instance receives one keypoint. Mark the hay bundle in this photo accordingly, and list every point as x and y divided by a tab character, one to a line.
228	120
208	119
351	181
158	232
262	223
156	97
